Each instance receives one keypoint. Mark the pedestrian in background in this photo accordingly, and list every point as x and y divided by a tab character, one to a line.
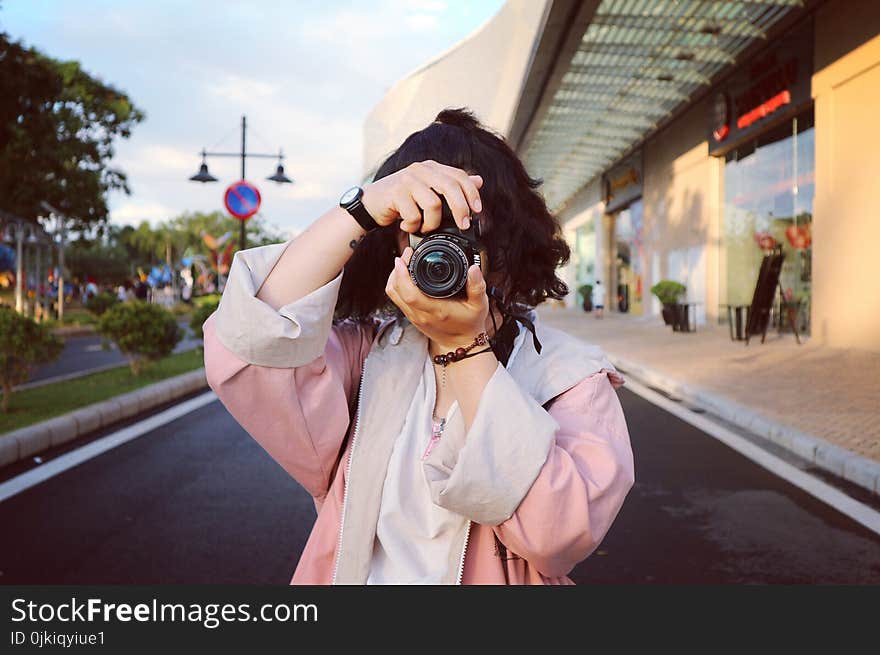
598	299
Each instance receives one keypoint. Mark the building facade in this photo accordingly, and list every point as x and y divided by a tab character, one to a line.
778	150
483	72
685	140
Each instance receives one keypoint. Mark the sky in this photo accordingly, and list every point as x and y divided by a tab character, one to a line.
306	73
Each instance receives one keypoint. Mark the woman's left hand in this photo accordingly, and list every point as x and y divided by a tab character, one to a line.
449	323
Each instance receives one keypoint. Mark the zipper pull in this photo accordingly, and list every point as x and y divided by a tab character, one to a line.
436	433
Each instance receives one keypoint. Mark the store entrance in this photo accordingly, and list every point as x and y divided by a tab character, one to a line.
628	274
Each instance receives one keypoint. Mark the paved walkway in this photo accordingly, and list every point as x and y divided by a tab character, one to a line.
831	393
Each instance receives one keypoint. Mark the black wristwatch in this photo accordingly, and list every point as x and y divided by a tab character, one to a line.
351	202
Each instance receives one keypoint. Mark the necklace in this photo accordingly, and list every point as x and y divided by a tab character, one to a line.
442	375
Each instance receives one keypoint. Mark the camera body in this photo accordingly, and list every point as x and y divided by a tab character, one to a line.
441	258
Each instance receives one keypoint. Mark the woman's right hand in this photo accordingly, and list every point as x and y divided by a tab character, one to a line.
419	185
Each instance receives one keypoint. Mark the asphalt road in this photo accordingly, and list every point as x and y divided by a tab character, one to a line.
83	353
198	501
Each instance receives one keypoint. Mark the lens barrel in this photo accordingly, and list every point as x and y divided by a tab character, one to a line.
439	266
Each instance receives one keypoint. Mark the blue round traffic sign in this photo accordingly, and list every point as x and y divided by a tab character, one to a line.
242	199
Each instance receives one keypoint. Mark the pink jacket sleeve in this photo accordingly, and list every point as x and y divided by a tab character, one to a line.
299	413
582	484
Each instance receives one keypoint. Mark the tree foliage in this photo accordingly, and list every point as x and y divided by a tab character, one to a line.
105	262
57	129
118	251
23	344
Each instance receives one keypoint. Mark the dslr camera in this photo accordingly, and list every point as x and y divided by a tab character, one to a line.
441	258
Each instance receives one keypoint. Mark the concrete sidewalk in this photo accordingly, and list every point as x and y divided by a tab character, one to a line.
822	403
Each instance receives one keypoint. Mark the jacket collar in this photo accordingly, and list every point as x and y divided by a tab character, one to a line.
562	363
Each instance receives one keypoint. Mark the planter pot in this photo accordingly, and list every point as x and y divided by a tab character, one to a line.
587	305
668	313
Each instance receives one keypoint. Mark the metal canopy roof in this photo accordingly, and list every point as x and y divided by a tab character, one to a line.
637	62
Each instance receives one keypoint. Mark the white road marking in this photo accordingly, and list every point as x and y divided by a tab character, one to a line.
94	448
823	491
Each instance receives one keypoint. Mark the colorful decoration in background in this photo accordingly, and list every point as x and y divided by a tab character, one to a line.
799	236
159	275
765	241
220	262
7	266
7	258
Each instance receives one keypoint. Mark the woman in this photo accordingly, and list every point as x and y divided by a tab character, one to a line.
447	440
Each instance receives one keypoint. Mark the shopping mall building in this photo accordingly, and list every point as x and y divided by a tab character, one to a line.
684	140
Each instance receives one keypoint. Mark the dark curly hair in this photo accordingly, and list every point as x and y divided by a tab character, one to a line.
524	242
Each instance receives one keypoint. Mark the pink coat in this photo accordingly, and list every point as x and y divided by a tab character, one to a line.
557	494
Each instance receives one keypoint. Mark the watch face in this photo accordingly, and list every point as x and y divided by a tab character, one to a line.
350	195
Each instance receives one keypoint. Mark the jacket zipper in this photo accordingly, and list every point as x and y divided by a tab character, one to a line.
467	536
357	426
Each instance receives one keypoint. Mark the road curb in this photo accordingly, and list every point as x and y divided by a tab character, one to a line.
844	463
33	439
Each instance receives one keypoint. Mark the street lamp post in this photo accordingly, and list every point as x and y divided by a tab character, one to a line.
19	231
204	176
62	225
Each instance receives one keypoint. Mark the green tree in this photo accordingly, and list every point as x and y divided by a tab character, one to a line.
105	262
184	235
23	344
188	229
57	129
142	331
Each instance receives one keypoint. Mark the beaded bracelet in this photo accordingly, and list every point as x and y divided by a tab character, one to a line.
458	354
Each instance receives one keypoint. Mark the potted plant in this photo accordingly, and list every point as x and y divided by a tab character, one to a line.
668	292
586	291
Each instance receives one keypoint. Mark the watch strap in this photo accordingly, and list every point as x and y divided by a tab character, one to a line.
360	214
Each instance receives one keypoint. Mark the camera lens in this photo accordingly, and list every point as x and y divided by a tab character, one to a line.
439	267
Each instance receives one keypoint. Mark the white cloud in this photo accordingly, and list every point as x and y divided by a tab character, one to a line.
432	6
152	157
242	90
308	189
135	211
421	22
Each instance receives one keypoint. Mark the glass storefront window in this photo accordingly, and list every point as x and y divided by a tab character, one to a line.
630	252
768	201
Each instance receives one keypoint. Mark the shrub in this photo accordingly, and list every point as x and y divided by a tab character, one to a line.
200	314
23	344
180	309
586	291
207	299
668	292
101	303
142	331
